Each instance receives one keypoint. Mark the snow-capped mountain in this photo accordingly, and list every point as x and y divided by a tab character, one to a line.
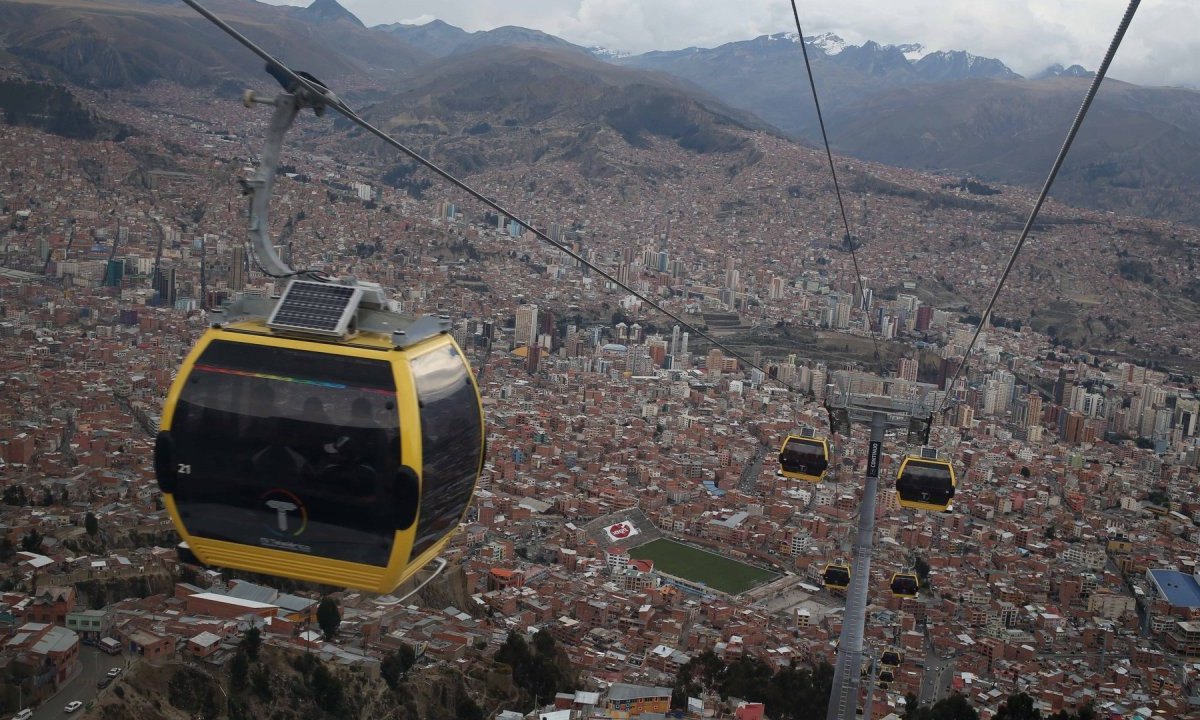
1057	70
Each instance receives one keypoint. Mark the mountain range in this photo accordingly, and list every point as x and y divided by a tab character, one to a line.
948	111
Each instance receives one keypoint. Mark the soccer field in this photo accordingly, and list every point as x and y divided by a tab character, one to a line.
716	571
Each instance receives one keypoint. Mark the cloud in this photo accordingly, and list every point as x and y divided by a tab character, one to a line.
1027	35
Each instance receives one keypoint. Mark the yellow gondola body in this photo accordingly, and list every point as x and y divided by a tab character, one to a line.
349	463
905	585
925	483
804	458
836	576
891	658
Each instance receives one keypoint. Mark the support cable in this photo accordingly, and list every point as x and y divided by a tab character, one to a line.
1058	162
862	288
298	81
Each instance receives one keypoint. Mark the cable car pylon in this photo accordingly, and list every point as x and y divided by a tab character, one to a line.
847	672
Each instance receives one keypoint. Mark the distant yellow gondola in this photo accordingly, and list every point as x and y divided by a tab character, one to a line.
347	461
837	576
804	456
926	482
905	585
891	658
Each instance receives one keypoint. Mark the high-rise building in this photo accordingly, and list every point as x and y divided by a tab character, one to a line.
907	369
237	268
674	341
164	283
527	325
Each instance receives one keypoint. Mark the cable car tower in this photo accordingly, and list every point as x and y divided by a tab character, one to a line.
880	413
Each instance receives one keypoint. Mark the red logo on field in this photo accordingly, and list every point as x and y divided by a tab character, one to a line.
620	531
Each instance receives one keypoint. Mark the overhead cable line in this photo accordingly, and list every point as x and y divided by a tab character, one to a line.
281	71
837	190
1058	162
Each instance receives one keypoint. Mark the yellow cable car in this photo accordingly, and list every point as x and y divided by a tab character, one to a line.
804	456
926	482
837	576
905	585
320	435
346	459
891	658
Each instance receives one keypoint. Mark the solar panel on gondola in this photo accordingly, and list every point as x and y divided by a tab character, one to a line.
319	308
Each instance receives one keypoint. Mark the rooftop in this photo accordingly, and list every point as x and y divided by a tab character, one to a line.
1180	589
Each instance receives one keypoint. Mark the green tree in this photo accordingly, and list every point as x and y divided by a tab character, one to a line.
1025	471
396	665
922	569
329	616
7	549
239	669
327	689
64	497
252	642
31	541
91	524
1018	707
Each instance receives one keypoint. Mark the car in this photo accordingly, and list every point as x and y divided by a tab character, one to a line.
104	682
72	706
114	672
23	715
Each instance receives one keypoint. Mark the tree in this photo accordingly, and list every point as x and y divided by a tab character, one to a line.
252	642
1025	471
91	524
329	616
31	541
1018	707
64	497
922	568
239	669
396	665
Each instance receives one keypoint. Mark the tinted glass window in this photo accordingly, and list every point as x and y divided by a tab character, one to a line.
804	458
290	450
451	438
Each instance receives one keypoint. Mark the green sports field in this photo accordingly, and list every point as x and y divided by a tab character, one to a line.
718	572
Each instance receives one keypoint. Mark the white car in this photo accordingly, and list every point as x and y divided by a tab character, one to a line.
72	706
23	715
114	672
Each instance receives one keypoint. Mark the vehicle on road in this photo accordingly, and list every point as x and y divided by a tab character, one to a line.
104	682
72	706
114	672
23	715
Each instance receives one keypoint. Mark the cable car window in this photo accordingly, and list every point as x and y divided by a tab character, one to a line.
451	438
926	481
803	457
286	449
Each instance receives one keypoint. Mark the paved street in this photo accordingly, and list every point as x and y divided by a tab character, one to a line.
83	686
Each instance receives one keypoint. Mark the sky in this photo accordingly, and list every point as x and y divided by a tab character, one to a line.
1162	46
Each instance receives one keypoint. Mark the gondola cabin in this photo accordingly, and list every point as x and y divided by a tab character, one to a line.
925	482
804	457
891	658
837	576
905	585
886	676
321	444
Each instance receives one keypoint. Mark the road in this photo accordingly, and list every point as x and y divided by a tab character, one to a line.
936	677
83	686
935	681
